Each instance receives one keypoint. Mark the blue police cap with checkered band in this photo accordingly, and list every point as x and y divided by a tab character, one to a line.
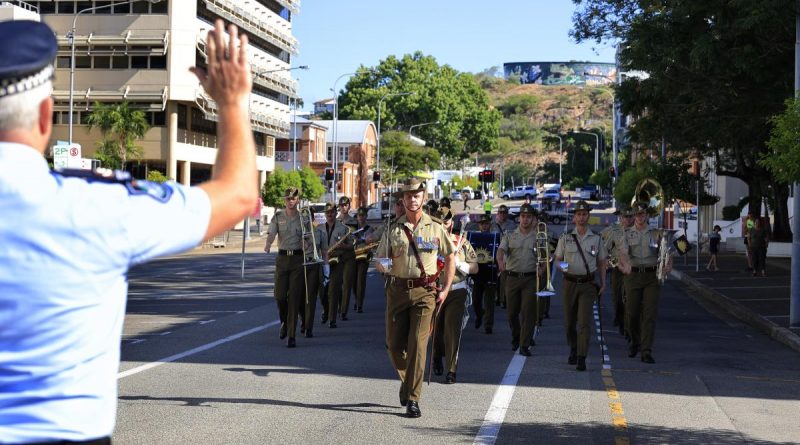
26	55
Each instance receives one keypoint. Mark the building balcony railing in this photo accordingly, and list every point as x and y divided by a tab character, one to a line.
253	24
258	120
291	5
284	156
129	41
157	98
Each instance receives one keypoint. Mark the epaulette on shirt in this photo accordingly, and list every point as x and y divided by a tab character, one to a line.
436	220
155	190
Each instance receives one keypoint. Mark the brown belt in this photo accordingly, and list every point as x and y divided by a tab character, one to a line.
409	283
290	252
579	278
511	273
643	269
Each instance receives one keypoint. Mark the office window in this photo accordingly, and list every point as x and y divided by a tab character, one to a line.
161	7
47	7
102	62
138	61
80	6
83	117
62	62
106	7
158	62
122	9
183	112
83	62
159	119
140	7
120	62
66	7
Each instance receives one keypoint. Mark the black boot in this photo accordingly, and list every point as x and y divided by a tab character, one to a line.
438	368
283	332
581	364
573	357
526	351
451	378
412	409
647	357
291	343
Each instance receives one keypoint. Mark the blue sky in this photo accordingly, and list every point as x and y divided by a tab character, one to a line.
337	36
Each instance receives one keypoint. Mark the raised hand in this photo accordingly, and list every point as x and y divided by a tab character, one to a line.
227	77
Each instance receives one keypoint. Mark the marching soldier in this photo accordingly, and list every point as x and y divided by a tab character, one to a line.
453	313
614	237
516	257
339	244
313	277
347	256
363	258
484	287
583	253
289	265
413	244
502	224
639	262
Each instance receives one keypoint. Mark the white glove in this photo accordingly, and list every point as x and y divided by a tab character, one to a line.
462	267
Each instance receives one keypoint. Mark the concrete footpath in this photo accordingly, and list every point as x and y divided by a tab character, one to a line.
761	302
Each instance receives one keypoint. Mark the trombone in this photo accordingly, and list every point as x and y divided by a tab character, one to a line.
311	254
543	258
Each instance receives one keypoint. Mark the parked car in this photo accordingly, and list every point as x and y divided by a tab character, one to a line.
552	193
590	192
520	192
455	195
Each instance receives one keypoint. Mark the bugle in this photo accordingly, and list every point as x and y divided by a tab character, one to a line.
363	251
543	258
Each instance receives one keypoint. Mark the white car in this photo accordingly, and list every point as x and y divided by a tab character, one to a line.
520	192
554	193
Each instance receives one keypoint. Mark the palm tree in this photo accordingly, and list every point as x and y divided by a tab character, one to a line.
121	126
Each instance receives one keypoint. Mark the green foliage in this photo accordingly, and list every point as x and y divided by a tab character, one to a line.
121	126
276	184
311	183
600	178
519	104
156	176
402	158
467	122
520	128
674	177
784	142
519	172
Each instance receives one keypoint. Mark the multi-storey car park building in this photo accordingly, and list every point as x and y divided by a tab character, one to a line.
141	53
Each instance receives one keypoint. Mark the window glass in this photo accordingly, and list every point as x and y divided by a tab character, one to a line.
140	7
106	7
122	9
183	112
119	62
83	62
80	6
161	7
158	62
83	117
102	62
138	61
66	7
159	119
47	7
62	62
56	115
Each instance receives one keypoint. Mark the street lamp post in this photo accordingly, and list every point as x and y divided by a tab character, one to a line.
411	130
378	147
71	37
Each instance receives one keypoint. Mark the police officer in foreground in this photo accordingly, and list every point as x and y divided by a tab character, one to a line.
583	253
639	262
516	257
68	241
413	244
614	238
289	273
453	313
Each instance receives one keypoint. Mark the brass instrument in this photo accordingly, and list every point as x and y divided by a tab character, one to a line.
650	191
335	260
310	253
363	252
543	258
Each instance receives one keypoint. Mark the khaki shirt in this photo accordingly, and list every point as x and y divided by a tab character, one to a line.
466	254
520	251
290	235
431	239
592	246
348	220
614	239
334	235
321	240
639	246
506	226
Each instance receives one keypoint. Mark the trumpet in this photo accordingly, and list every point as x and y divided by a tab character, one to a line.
335	260
310	253
543	258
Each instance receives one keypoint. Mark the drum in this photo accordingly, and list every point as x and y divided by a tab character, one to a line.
485	245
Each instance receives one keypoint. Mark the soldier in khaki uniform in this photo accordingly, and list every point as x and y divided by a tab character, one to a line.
411	295
362	260
348	263
502	224
453	313
614	238
639	261
484	289
579	289
340	246
313	277
516	257
289	265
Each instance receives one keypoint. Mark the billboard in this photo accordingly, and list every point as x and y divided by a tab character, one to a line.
561	73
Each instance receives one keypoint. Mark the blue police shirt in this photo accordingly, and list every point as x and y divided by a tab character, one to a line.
65	247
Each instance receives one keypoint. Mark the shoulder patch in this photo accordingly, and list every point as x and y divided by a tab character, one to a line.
159	192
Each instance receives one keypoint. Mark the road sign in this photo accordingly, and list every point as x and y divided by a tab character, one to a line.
67	155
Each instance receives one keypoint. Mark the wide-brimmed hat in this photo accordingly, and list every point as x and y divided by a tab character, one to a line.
502	208
444	202
484	218
583	205
362	211
291	192
527	209
444	213
621	209
412	185
329	207
344	200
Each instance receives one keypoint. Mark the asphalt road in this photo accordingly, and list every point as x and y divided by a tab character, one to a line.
202	363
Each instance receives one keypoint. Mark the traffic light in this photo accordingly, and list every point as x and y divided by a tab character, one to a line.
488	175
376	176
482	175
329	174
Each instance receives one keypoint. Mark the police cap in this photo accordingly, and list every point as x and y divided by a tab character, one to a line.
26	55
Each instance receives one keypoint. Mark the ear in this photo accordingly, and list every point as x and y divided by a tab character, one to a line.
45	124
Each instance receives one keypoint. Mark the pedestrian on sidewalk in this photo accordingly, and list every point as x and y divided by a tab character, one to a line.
465	195
713	246
748	223
69	238
759	240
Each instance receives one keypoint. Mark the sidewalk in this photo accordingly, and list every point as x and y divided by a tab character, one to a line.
761	302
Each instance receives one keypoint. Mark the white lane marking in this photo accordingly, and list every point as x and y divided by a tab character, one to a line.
752	287
213	312
763	299
206	321
193	351
137	340
165	333
487	435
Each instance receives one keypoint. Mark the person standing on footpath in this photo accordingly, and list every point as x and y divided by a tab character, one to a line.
487	207
516	257
289	280
453	314
615	243
465	195
69	238
337	235
583	253
413	244
639	263
714	239
759	241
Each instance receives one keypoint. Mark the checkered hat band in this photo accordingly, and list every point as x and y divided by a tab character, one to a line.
14	86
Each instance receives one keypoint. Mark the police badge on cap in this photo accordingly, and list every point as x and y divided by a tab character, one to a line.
26	56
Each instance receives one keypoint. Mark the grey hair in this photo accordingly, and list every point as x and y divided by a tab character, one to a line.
21	110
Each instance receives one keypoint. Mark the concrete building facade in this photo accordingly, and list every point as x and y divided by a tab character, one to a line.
141	53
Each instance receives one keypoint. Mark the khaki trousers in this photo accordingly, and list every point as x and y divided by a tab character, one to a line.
361	282
448	328
335	290
313	277
483	301
578	301
348	265
408	324
289	289
641	308
521	302
617	289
